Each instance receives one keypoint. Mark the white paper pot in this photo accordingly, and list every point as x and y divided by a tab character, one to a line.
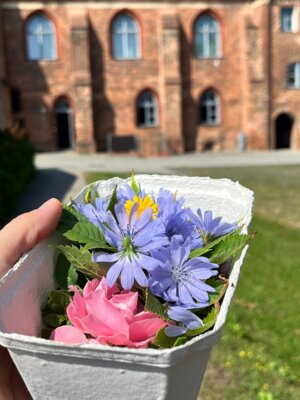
56	371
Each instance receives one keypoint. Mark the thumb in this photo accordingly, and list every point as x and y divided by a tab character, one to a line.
25	231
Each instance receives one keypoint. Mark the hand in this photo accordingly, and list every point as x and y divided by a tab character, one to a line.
16	238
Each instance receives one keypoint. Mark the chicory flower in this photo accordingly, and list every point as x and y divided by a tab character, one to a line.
178	279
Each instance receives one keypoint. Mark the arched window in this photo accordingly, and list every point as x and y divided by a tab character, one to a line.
125	38
209	108
41	38
147	110
293	77
207	37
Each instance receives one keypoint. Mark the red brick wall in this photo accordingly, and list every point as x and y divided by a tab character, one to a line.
103	92
5	114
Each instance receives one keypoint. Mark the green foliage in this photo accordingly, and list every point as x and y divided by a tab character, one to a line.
152	304
16	170
77	228
81	259
113	201
134	185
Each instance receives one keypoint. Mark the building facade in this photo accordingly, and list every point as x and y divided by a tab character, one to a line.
171	76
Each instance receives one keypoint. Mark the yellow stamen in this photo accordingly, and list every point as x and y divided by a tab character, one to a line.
143	204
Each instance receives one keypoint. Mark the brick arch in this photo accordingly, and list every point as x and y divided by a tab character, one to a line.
220	97
156	95
49	16
217	17
138	20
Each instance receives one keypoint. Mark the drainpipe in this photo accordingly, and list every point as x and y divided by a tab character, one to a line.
270	72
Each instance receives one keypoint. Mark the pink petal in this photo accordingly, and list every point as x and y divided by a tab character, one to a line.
145	325
90	286
68	334
102	311
125	301
109	291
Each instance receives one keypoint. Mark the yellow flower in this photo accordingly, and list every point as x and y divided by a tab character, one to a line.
143	204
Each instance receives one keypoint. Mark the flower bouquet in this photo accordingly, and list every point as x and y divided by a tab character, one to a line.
144	273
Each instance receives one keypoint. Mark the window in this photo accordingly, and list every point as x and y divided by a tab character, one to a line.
15	100
125	38
207	37
209	108
293	77
147	113
41	38
288	19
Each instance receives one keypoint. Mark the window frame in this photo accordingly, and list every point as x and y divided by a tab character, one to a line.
293	20
293	74
209	105
149	108
202	36
51	34
125	34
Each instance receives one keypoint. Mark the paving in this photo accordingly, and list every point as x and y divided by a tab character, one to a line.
60	174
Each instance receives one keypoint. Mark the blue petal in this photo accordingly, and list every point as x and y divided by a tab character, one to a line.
114	272
174	331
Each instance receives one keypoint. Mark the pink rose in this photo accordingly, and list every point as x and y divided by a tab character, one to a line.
108	316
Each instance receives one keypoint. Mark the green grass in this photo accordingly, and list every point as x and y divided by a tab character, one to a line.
259	354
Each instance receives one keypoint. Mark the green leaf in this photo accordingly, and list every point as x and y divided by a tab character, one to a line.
54	320
134	185
69	217
228	248
180	341
220	287
89	196
61	271
208	323
89	234
72	275
113	201
58	301
81	260
153	305
202	250
163	341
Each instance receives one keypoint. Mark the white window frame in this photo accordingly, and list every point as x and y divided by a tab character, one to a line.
289	24
123	33
210	104
45	28
205	26
148	101
294	75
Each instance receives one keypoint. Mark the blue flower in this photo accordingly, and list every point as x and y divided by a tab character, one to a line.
94	213
187	319
134	238
176	219
180	280
209	227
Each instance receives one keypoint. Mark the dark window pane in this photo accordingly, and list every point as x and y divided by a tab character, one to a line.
16	105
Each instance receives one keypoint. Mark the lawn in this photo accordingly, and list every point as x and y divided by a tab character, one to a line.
259	354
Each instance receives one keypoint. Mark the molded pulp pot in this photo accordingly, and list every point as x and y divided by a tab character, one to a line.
94	372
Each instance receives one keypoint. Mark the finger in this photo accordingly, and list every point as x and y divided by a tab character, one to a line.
25	231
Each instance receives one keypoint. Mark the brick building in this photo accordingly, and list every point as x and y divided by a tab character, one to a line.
175	75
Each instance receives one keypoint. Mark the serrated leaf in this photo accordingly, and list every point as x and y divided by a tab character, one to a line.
89	234
203	250
228	248
220	287
152	304
81	260
208	323
113	201
134	185
209	246
54	320
69	217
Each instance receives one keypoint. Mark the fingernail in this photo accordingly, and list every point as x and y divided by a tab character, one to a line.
47	204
